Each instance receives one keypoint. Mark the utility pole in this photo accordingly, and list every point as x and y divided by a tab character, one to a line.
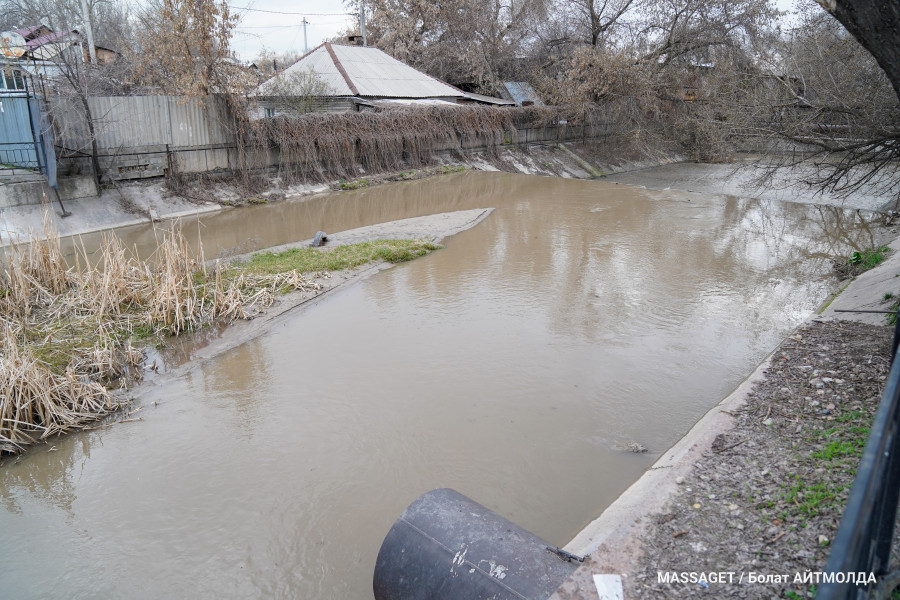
362	21
86	15
305	47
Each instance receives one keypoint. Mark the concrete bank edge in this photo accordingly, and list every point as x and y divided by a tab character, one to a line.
614	539
623	518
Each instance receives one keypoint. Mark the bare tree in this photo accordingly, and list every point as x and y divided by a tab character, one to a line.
473	44
596	21
821	103
688	30
666	70
296	92
269	62
181	47
70	75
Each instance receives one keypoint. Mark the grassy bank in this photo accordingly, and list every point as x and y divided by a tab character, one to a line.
306	260
71	333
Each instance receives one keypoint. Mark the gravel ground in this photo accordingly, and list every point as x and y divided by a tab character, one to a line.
767	497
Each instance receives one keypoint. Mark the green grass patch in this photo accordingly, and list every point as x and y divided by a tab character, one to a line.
57	353
838	449
852	415
305	260
868	258
812	491
809	498
892	316
354	184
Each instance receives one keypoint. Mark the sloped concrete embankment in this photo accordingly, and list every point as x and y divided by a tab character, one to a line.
149	201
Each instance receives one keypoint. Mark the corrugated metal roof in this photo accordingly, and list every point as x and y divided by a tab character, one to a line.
370	71
521	92
25	32
376	74
488	99
319	62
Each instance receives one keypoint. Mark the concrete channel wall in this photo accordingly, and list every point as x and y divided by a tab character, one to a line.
142	137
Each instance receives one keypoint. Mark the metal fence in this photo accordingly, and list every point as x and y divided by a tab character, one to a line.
136	136
861	550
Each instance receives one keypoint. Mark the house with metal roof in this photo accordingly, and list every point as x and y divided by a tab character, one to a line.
342	78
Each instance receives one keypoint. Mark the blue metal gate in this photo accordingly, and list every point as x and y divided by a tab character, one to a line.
19	146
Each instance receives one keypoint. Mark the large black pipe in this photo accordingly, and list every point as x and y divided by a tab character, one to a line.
448	547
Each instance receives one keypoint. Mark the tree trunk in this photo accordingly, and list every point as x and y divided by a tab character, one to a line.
95	158
874	24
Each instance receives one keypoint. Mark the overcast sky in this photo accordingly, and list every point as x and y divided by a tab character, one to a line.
277	25
281	29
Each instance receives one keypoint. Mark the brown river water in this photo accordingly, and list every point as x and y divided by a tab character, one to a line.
514	366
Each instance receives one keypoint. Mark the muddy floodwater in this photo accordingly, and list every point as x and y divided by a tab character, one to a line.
514	365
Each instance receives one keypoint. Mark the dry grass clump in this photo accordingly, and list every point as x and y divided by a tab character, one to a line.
67	330
36	403
37	273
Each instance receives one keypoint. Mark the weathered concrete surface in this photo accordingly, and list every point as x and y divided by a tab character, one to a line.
868	291
121	207
34	190
433	228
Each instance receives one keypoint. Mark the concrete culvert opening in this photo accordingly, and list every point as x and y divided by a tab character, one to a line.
447	546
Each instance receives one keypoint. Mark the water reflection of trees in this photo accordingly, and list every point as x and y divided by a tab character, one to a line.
593	255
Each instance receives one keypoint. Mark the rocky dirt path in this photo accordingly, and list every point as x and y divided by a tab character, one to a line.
767	497
756	491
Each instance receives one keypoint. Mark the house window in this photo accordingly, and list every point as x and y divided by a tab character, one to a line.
12	80
270	112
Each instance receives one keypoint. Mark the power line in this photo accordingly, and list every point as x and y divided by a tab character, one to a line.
269	26
279	12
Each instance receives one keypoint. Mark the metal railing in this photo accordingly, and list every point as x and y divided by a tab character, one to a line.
861	550
19	155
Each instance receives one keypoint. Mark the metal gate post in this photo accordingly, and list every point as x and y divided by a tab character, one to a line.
34	134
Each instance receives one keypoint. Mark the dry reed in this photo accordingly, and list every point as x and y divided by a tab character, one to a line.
67	331
36	403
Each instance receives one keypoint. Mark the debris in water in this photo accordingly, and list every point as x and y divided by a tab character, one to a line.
636	448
